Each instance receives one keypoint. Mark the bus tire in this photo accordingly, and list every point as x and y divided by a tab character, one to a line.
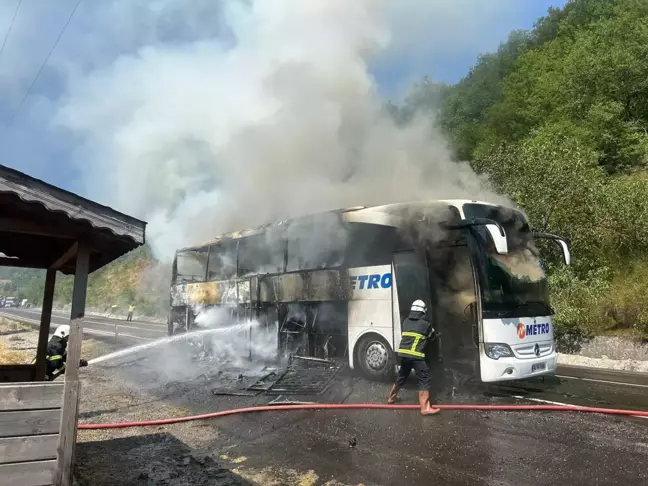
375	358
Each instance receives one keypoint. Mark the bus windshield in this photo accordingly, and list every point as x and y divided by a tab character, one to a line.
515	284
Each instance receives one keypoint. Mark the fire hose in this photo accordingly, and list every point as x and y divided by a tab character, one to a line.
365	406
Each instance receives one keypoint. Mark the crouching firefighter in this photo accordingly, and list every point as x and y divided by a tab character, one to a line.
415	333
57	353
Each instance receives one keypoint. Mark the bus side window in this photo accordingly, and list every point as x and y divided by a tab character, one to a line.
258	255
191	265
371	244
316	243
222	261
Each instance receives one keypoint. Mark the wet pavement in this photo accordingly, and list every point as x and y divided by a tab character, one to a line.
385	447
401	447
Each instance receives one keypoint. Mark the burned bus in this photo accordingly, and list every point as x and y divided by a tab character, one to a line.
337	285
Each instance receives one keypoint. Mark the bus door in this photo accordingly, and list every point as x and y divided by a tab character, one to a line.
411	282
452	284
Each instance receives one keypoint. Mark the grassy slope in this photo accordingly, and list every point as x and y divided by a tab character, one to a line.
135	277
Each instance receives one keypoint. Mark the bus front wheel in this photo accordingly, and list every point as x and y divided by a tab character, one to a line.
375	358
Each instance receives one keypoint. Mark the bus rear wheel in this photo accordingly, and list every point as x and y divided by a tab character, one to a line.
375	358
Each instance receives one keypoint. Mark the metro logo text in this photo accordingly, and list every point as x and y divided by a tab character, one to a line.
533	330
373	281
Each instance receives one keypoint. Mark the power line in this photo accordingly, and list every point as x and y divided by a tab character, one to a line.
8	125
10	27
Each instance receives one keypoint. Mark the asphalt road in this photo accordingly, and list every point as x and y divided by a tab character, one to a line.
397	448
453	448
129	331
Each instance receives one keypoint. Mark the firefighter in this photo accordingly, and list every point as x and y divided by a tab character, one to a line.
415	332
57	352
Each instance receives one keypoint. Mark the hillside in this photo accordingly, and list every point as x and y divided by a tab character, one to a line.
558	120
136	277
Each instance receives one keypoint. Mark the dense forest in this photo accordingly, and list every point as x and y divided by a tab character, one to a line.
557	118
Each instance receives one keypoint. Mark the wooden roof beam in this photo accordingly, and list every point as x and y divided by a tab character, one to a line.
11	225
66	257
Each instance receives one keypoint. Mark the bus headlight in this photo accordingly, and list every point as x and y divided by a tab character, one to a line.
497	350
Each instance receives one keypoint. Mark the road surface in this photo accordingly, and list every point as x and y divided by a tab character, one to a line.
370	447
392	448
129	331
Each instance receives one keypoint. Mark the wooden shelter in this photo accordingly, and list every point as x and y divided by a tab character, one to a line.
45	227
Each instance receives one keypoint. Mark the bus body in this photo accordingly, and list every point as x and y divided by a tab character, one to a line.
339	284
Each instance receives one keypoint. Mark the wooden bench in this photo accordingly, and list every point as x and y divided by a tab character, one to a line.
30	418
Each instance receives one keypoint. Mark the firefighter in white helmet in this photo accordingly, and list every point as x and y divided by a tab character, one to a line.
415	333
57	352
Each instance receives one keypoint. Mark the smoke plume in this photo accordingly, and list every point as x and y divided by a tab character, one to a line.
279	118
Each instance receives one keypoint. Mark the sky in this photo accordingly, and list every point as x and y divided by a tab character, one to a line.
67	122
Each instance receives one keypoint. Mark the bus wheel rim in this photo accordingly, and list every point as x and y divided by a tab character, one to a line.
376	355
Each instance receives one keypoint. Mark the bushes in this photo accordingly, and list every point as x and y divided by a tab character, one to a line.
575	301
625	307
600	302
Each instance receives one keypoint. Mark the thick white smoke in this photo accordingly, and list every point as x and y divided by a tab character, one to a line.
278	119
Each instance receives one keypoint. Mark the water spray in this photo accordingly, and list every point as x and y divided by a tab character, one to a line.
171	339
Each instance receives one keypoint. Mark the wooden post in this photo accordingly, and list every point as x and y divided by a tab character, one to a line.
45	322
69	417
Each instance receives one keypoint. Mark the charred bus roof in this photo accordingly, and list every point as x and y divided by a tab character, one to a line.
395	214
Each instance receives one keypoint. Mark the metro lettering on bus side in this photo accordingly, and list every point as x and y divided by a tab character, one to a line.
374	281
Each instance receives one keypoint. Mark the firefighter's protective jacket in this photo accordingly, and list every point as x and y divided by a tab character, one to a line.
415	332
56	353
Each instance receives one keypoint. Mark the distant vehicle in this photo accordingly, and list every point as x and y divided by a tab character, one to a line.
10	302
339	284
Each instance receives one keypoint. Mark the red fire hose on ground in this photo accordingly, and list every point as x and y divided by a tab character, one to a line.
365	406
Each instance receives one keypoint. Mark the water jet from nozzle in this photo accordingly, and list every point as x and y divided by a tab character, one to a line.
170	340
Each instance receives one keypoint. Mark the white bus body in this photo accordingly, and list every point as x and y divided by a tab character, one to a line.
477	269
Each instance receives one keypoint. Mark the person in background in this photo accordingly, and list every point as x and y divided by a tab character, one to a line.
57	353
415	332
131	309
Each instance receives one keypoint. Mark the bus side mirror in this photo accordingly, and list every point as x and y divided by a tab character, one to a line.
561	242
565	250
499	239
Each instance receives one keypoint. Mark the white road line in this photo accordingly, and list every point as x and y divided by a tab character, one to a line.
602	381
112	322
99	323
540	400
121	326
91	316
114	319
85	330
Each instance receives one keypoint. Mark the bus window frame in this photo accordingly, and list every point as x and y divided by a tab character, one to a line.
174	270
242	242
219	278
